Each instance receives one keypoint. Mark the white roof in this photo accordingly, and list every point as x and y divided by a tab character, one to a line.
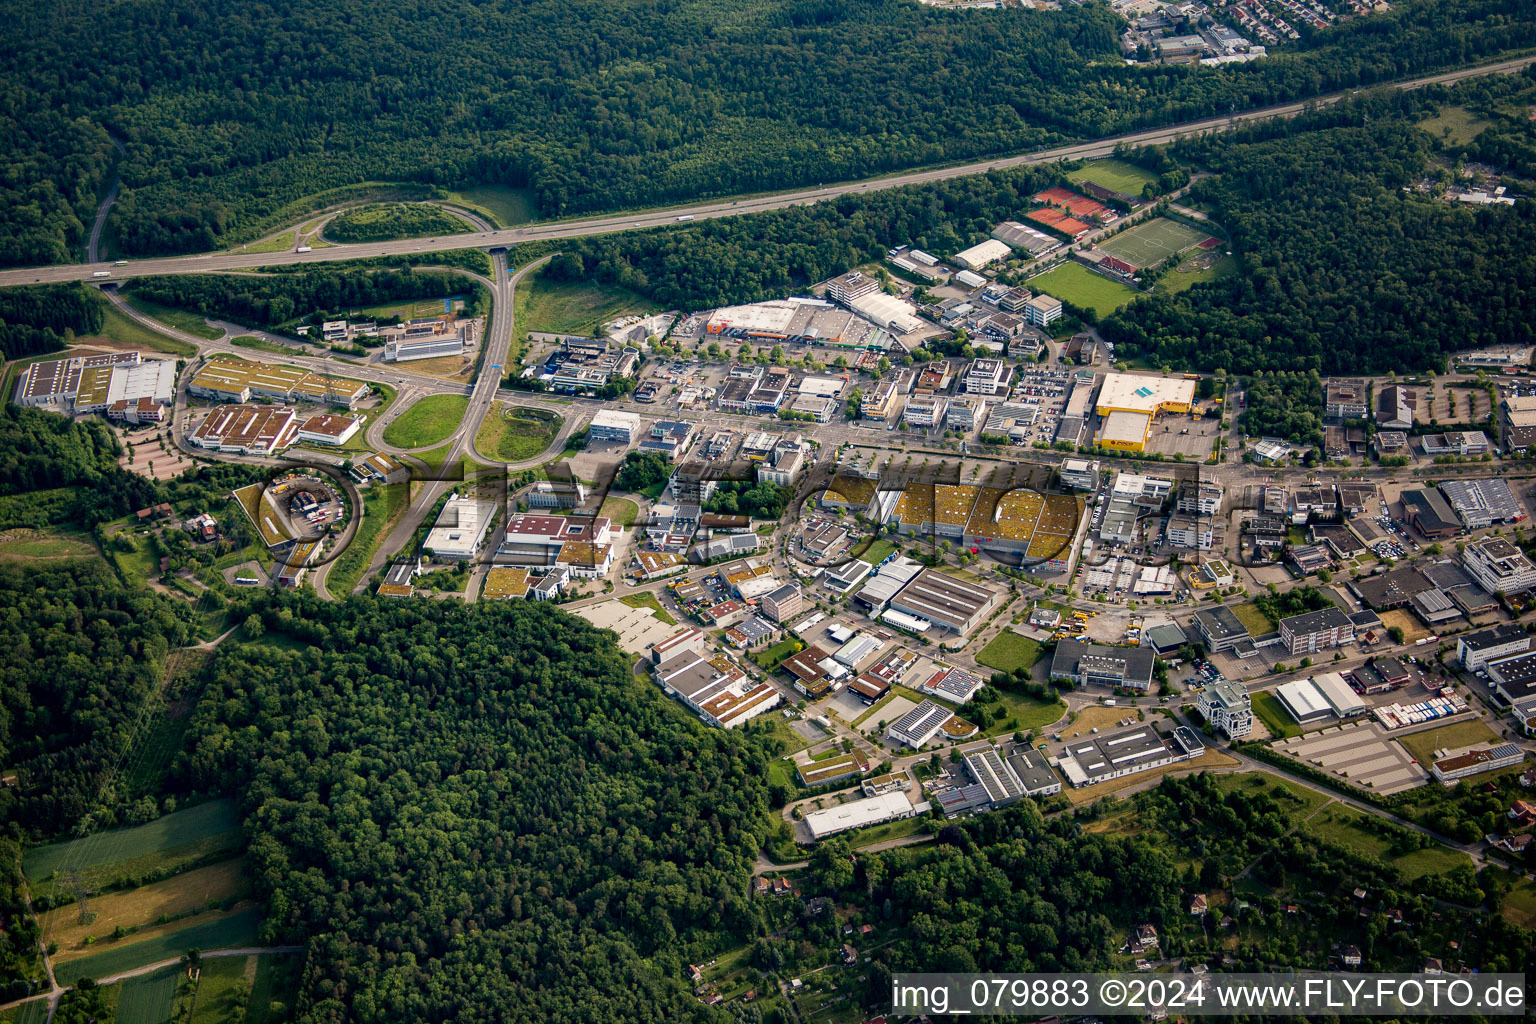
1337	693
616	418
858	813
970	279
1143	394
460	526
821	387
981	254
767	317
1303	698
888	311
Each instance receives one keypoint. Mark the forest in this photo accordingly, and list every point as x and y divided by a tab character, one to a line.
270	300
478	813
1284	405
79	655
1344	270
382	221
35	320
54	469
234	116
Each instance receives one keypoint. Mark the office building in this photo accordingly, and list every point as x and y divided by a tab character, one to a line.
1321	630
1498	566
1225	706
1119	668
610	426
1089	761
1474	650
850	286
460	529
1219	628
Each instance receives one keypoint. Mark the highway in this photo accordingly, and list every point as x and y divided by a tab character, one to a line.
610	223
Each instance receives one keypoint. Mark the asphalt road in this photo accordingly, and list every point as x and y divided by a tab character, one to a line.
610	223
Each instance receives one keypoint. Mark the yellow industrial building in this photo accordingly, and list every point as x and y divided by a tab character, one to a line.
1130	404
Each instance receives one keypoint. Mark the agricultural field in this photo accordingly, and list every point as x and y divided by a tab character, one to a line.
149	998
1152	242
1115	174
222	987
164	843
148	911
1454	737
207	931
515	433
1075	283
432	420
1010	651
35	1012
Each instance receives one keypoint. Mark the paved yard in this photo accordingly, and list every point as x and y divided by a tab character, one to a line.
1363	753
638	628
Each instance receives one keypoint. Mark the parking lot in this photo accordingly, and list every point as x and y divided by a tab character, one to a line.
1362	753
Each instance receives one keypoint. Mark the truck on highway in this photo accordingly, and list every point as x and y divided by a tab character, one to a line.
686	217
120	263
301	248
101	273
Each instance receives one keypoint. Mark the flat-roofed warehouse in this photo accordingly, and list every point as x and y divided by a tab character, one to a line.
237	380
859	813
1125	431
983	254
1122	392
953	604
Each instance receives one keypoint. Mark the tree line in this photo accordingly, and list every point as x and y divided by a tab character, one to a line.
38	319
232	122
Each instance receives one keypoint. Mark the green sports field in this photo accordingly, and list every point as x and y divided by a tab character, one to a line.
1146	244
1115	174
1075	283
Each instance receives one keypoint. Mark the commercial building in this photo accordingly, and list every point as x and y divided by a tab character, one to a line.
567	494
834	769
328	429
1122	392
1474	650
888	312
1474	762
246	430
850	286
123	385
1304	701
224	379
1395	408
460	529
1498	566
783	603
1086	762
1119	668
1042	310
610	426
714	687
1002	785
427	339
1219	628
1321	630
919	726
859	814
1343	700
1456	442
1202	499
1345	399
925	410
983	254
1190	532
1429	513
945	601
1079	474
1022	236
1517	422
952	684
1482	503
1033	771
1225	705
